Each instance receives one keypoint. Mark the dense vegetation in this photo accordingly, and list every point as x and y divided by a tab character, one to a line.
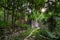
29	19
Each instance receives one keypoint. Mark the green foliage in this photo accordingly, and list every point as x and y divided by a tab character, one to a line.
29	30
3	24
35	15
19	12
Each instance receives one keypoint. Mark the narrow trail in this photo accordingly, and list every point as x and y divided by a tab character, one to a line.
26	38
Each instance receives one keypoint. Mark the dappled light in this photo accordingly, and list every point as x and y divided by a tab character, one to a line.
29	19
